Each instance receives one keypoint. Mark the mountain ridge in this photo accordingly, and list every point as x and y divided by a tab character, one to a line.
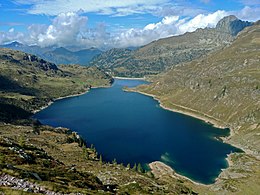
161	54
57	55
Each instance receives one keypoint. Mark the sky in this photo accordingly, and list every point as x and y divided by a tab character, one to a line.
107	24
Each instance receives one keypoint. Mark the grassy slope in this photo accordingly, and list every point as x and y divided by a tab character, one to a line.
57	156
222	88
28	82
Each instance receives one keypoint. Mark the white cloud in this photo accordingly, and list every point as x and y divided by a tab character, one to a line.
70	29
169	26
117	7
11	30
67	29
113	7
202	21
250	2
180	10
205	1
10	35
248	13
64	30
151	32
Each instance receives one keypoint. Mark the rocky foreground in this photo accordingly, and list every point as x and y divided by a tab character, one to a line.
24	185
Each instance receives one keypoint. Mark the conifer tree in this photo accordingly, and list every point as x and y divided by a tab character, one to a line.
139	168
100	159
134	167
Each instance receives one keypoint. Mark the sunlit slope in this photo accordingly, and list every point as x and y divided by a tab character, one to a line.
223	87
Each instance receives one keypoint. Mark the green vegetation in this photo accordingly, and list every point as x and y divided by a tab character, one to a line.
139	168
28	83
56	159
221	88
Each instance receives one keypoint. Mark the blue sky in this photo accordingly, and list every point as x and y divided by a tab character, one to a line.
112	23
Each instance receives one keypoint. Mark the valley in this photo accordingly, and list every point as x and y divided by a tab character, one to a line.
216	79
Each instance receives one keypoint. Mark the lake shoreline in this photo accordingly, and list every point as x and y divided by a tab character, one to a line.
185	111
215	123
129	78
59	98
159	168
205	119
82	93
67	96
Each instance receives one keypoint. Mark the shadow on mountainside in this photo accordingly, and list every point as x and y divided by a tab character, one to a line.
8	85
10	113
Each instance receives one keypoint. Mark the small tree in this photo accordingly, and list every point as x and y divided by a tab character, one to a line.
134	167
36	127
2	159
114	161
100	159
21	140
150	174
139	168
84	152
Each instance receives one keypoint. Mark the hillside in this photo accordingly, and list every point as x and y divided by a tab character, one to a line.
164	53
222	88
40	159
46	160
29	82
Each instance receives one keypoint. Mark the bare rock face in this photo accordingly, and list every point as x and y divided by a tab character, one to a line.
232	25
40	63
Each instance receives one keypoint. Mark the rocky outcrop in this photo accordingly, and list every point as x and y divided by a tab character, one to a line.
23	185
232	25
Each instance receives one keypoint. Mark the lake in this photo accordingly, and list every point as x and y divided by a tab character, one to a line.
133	128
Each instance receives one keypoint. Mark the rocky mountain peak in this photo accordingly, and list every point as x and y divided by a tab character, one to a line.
232	25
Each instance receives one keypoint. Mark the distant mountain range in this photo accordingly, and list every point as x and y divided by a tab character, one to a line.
150	59
58	55
164	53
62	55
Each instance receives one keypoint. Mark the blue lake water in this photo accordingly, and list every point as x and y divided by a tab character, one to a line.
133	128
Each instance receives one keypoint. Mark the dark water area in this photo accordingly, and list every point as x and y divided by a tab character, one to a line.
133	128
